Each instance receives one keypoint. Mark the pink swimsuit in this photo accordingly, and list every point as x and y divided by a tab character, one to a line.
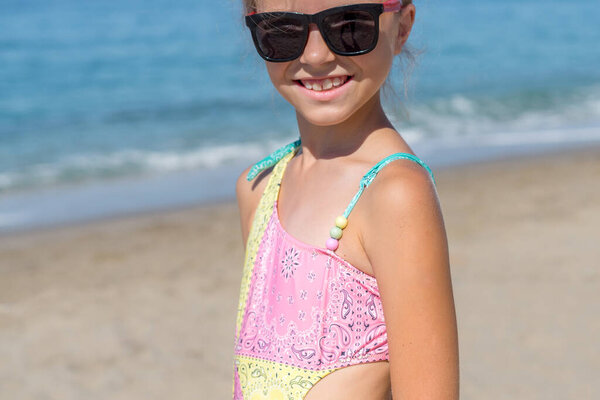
304	312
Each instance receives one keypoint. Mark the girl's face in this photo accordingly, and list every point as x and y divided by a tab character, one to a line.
347	83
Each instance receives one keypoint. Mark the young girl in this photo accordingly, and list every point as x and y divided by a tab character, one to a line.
346	289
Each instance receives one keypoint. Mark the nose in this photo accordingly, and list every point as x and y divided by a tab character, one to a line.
316	50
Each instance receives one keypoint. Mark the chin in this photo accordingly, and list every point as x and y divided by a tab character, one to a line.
323	118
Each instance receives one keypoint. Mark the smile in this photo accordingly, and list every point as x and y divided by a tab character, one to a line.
323	85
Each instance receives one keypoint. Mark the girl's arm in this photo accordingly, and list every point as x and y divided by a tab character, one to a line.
405	241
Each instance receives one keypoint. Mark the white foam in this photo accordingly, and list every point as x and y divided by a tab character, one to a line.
126	162
456	120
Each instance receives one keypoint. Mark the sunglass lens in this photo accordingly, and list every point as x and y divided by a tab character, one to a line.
350	31
280	37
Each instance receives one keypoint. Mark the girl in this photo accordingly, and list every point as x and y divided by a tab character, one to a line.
335	304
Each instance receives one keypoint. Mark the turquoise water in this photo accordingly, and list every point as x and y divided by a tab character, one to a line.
98	91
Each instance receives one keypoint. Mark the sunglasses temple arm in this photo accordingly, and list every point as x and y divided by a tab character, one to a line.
394	5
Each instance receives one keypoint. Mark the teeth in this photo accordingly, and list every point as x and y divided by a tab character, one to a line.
325	84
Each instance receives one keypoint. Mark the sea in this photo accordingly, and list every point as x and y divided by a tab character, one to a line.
111	107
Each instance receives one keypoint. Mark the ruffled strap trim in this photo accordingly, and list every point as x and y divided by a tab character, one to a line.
272	159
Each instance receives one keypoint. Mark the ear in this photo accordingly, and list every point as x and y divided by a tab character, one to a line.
405	24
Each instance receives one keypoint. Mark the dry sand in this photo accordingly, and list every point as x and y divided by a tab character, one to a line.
143	307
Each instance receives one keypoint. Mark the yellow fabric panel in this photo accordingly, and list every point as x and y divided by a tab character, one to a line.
268	380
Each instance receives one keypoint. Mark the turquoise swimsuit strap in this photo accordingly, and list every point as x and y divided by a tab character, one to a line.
369	176
272	159
366	180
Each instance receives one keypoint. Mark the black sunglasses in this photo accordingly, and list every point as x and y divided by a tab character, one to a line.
347	30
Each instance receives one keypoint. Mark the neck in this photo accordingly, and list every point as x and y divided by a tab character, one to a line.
344	138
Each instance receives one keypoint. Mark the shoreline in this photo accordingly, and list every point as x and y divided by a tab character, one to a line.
143	307
45	210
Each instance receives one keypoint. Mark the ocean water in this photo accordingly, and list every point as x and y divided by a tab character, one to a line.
113	93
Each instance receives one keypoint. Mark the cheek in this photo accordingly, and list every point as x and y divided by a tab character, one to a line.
276	71
277	74
385	46
378	63
387	36
382	57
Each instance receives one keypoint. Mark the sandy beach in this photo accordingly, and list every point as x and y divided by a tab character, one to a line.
143	307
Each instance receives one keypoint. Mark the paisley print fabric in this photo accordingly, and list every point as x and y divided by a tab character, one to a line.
261	218
304	311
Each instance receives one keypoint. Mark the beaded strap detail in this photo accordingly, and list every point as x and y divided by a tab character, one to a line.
341	221
335	233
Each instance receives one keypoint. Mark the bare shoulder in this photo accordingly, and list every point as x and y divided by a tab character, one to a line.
248	195
402	190
404	238
402	224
